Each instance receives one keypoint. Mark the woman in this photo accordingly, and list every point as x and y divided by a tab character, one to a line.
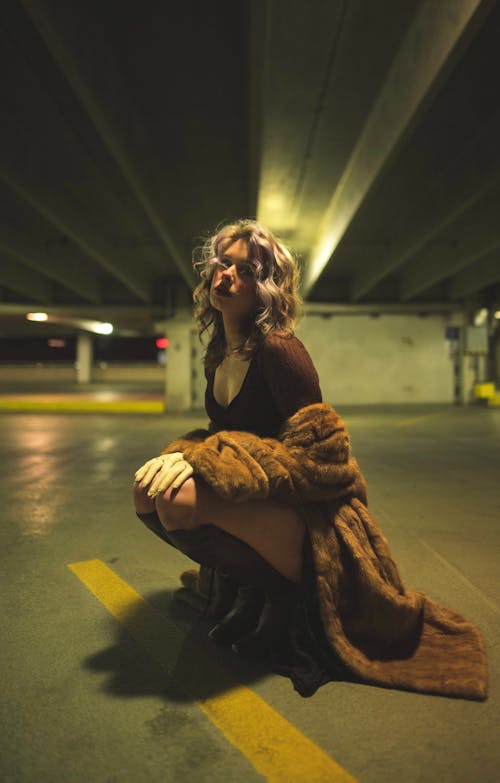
311	576
258	374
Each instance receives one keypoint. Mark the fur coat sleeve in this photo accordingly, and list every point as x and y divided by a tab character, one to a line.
384	633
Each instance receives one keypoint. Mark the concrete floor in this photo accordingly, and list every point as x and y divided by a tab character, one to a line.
83	701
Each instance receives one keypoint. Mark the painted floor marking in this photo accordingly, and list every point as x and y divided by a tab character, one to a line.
277	750
81	406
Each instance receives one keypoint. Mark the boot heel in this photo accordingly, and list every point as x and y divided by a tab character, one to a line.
242	618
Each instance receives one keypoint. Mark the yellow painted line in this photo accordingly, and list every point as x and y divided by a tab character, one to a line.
277	750
82	406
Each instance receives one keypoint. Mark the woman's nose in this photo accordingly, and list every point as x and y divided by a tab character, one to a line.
227	270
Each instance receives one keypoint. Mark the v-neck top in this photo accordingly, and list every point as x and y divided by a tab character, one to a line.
281	379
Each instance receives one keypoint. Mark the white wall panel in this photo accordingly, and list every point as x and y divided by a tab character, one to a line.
388	359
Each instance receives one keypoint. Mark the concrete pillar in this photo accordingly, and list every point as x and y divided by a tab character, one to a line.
84	357
178	378
457	321
468	377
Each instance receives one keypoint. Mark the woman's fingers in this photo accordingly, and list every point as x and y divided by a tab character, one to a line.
163	479
150	473
170	474
162	471
186	473
145	474
141	472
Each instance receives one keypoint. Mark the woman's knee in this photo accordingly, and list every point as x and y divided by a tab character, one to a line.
143	504
176	507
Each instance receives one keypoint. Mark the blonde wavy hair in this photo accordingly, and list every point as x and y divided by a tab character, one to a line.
278	302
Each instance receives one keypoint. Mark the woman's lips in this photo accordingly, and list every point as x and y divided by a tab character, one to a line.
221	290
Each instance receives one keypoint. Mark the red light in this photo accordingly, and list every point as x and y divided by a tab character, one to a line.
162	342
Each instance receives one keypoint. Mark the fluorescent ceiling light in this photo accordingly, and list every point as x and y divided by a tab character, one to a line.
480	317
97	327
37	316
102	328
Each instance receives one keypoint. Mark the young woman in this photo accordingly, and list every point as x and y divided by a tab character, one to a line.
258	374
318	595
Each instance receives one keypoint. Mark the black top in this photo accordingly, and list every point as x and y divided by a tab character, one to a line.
281	379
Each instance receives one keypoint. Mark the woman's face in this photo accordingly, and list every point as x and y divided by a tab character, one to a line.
233	287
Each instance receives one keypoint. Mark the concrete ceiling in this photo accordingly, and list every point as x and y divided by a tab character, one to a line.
365	134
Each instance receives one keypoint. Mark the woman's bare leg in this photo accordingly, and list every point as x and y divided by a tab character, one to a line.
143	504
275	530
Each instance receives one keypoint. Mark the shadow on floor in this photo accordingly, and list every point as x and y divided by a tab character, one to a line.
195	669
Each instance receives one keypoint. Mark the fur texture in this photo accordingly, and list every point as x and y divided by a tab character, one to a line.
385	634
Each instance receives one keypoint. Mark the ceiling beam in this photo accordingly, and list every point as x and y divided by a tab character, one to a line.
57	263
424	55
475	174
50	169
88	311
64	215
293	102
107	104
377	308
24	281
440	261
259	43
483	273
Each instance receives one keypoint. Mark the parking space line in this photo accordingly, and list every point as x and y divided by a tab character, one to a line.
19	405
277	750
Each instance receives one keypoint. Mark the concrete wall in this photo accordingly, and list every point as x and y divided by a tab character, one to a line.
388	359
129	373
32	374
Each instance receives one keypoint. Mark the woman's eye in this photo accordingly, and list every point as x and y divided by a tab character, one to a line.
245	271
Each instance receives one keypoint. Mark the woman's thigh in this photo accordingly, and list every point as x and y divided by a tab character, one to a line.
275	530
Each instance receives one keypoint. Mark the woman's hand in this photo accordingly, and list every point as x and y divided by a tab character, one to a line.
162	471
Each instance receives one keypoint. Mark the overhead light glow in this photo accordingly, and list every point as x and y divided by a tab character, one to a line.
37	316
497	314
103	328
480	317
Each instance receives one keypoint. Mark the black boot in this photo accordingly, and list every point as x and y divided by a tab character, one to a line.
202	590
271	634
242	618
224	593
210	545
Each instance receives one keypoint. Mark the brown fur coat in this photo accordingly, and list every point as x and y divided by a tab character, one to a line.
383	633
